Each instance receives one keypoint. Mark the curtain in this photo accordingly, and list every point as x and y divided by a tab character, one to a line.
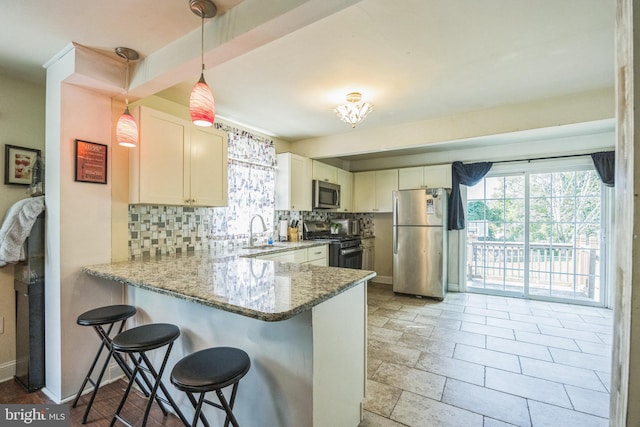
469	174
605	163
251	169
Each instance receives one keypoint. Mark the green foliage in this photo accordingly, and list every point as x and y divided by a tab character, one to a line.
563	207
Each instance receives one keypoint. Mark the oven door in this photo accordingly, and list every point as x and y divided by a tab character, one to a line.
346	258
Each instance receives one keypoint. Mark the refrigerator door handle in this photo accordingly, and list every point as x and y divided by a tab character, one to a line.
395	224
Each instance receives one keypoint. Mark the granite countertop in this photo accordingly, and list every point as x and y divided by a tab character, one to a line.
238	282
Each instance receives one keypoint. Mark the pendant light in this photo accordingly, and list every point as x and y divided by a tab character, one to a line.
201	104
127	129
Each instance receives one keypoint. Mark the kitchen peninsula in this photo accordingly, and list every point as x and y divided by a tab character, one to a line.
304	327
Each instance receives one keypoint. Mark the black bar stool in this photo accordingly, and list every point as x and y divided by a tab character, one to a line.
136	342
208	370
101	318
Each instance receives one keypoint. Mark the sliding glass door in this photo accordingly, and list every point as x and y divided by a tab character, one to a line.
537	234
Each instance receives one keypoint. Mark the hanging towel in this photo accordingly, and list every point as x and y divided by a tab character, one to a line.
16	227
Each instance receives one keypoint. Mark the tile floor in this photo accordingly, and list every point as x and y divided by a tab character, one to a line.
479	360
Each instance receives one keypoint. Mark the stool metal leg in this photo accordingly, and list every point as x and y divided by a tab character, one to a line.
105	343
227	408
198	406
160	384
157	375
87	378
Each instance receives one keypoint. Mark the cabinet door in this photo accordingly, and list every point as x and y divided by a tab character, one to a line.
438	176
208	168
318	255
364	191
386	183
298	256
325	172
293	182
368	259
345	180
410	178
300	182
159	164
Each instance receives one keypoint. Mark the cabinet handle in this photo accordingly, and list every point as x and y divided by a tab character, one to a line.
193	200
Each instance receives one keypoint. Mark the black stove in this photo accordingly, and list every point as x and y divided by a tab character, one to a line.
344	250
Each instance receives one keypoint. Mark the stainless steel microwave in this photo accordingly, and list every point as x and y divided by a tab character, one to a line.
325	195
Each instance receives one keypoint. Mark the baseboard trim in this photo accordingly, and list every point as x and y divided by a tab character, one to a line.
7	371
453	287
387	280
113	374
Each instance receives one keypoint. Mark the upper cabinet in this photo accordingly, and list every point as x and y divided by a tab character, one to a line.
438	176
177	163
345	180
325	172
372	190
293	182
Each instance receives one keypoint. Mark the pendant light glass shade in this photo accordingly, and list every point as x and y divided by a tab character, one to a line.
201	104
127	130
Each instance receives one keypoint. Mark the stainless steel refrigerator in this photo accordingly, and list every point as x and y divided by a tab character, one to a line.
420	242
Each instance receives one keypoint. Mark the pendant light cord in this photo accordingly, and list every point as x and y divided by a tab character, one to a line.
126	85
202	40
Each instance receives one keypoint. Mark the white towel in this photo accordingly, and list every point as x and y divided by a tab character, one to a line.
16	227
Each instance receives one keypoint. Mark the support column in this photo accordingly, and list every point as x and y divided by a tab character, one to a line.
625	381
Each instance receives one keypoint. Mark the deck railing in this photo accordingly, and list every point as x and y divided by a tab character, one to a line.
551	265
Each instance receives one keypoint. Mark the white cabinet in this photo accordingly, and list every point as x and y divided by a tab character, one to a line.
297	256
293	182
316	255
437	176
345	180
176	163
410	178
368	254
372	190
325	172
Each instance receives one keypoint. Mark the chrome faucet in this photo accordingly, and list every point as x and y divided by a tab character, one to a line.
264	227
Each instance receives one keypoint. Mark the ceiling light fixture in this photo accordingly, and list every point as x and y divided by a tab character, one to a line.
355	111
201	104
127	129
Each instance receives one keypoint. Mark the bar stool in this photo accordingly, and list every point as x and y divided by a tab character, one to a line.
101	318
211	370
136	342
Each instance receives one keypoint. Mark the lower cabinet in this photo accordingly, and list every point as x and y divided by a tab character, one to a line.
368	254
316	255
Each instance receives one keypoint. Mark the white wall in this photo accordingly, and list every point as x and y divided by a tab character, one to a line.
22	124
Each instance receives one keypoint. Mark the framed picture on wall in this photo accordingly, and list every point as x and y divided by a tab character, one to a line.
91	162
18	164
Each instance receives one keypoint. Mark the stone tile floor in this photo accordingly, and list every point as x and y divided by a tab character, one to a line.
480	360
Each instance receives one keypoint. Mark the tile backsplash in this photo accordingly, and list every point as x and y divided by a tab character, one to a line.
161	230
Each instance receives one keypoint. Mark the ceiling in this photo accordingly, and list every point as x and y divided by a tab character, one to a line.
412	59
